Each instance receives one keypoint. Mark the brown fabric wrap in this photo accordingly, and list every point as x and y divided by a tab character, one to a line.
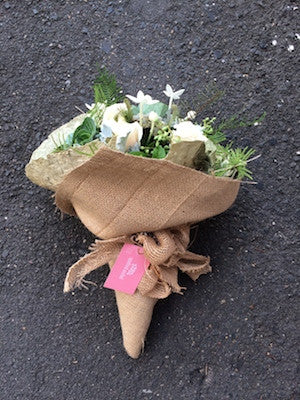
165	250
127	199
118	194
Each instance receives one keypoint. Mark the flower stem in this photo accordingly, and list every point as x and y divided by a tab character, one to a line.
169	109
141	114
151	131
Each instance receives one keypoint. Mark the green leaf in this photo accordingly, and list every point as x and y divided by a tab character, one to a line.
89	125
160	109
106	89
135	110
85	132
159	152
137	153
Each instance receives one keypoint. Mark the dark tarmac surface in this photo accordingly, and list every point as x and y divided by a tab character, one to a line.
233	334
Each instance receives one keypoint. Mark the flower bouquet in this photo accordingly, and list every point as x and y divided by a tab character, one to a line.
138	174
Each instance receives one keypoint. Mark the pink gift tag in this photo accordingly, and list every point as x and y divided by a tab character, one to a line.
128	269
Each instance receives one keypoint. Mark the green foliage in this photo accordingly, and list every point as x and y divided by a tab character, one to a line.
232	162
212	133
128	114
160	108
159	152
106	89
85	132
157	146
235	122
93	147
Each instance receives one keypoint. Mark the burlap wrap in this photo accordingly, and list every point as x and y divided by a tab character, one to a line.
127	199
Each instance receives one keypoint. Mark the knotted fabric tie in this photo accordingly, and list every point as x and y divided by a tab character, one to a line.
166	250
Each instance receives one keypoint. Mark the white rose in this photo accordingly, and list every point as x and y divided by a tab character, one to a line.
188	131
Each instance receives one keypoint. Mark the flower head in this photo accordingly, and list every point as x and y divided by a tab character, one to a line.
169	92
142	98
90	106
128	135
153	116
191	115
187	131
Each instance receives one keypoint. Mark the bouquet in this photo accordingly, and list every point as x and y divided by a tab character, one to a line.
138	174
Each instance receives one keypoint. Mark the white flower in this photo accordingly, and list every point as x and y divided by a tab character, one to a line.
114	112
128	135
187	131
142	98
191	115
173	95
90	107
153	116
111	116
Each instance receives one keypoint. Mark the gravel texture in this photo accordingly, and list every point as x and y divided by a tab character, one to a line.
233	334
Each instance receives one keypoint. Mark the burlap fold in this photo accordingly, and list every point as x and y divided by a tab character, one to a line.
166	250
118	194
152	203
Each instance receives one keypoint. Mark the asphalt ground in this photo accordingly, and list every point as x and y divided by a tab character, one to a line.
233	334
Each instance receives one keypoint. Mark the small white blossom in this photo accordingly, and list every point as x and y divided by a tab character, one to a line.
169	92
153	116
191	115
142	98
90	107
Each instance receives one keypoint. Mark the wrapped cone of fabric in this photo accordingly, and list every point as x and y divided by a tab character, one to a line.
166	251
126	199
135	312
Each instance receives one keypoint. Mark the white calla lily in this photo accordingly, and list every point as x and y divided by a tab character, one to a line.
128	135
114	112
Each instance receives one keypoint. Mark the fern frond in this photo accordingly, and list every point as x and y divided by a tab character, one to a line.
106	89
